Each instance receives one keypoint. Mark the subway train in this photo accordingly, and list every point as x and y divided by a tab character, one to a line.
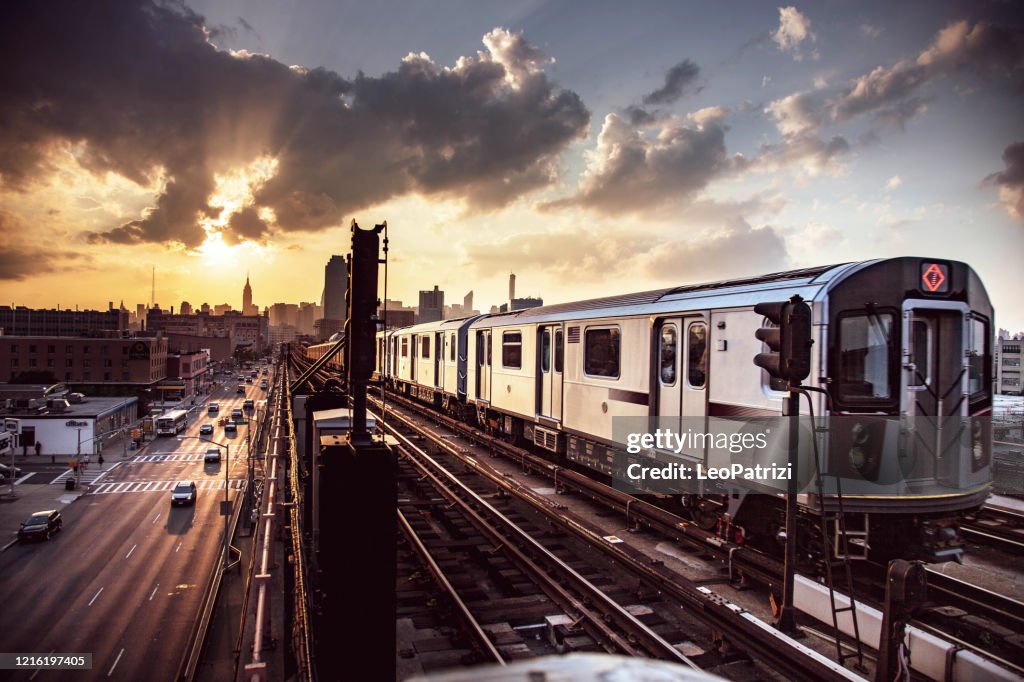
901	354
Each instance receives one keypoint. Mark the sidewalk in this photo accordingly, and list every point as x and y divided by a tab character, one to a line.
42	486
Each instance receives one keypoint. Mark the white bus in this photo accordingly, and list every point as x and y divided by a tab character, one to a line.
170	423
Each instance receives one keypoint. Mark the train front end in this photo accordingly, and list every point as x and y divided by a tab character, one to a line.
908	347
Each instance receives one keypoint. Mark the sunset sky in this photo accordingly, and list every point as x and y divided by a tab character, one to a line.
592	148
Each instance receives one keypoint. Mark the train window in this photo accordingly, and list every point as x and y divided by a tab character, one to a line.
921	353
545	350
865	349
425	346
512	350
977	356
488	350
559	351
697	355
452	348
668	355
601	352
405	346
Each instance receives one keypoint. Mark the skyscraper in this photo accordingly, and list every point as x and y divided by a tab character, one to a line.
247	307
431	305
335	285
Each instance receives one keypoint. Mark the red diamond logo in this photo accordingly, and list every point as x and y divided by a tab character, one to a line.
933	277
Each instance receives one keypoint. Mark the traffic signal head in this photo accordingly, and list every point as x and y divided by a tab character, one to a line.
789	340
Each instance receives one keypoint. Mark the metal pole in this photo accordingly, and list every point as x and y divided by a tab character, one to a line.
787	616
227	465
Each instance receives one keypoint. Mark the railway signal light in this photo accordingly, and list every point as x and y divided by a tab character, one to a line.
789	340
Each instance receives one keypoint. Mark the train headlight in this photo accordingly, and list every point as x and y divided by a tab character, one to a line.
977	440
859	436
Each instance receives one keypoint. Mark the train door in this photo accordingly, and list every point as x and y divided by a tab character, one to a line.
438	358
549	375
483	365
933	389
412	358
681	365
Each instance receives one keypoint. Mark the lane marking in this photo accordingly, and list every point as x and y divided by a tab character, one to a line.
131	550
153	593
177	548
116	661
95	597
156	518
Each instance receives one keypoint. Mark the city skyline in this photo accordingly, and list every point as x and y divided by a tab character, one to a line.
600	151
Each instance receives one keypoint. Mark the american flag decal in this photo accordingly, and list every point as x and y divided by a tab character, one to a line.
573	335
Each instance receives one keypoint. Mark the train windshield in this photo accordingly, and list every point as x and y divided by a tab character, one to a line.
865	356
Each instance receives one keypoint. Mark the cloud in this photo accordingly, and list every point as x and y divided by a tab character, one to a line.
678	80
734	250
731	249
889	95
141	91
893	182
20	262
1011	180
794	28
628	171
871	30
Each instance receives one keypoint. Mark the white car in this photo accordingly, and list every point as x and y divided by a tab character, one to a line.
184	492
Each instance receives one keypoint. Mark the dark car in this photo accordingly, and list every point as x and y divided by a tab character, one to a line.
240	389
212	455
206	430
230	427
41	525
184	492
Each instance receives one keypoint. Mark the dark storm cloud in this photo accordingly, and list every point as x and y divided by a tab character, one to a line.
141	92
247	224
679	79
1011	180
639	116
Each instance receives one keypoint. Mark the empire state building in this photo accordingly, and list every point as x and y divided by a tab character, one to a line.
247	307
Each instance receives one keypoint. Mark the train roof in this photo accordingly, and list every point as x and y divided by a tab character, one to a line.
720	294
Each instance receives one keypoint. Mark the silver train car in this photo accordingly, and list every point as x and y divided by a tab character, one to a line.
898	338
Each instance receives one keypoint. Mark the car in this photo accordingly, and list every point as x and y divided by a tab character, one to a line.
230	427
237	415
206	430
184	492
212	455
263	384
248	380
240	389
6	471
249	404
241	377
213	408
41	525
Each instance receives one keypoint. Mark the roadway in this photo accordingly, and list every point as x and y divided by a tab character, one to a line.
124	579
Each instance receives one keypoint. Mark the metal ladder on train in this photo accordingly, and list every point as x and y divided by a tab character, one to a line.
837	555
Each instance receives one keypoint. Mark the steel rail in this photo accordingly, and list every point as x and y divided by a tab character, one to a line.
470	621
761	640
651	642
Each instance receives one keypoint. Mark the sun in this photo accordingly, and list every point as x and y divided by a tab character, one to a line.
234	191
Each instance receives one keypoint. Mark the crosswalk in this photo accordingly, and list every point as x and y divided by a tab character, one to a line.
115	487
171	457
87	477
